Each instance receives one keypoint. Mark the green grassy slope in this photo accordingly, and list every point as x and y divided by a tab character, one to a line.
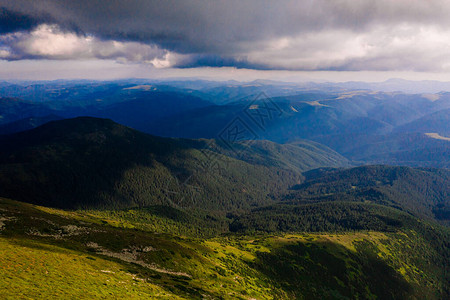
50	253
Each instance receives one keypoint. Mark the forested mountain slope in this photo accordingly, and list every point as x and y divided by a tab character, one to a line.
89	162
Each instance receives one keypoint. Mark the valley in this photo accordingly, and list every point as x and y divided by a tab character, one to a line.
176	191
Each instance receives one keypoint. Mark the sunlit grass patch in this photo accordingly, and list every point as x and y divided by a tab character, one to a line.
30	269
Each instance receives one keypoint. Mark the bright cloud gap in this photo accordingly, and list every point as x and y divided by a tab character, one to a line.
50	42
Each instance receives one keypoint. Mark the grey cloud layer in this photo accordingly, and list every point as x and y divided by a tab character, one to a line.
299	35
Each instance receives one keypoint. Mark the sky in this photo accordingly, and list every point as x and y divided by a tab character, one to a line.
318	40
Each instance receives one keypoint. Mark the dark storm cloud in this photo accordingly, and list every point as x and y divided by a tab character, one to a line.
11	21
304	35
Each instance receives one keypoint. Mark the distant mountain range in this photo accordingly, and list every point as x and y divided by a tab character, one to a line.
364	126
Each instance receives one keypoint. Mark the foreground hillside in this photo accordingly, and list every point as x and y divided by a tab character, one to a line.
51	253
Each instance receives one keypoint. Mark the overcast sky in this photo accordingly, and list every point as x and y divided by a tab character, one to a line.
290	40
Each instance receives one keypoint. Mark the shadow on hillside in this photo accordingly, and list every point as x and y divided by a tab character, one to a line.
327	270
81	163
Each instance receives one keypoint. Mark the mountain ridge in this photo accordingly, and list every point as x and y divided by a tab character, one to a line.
90	158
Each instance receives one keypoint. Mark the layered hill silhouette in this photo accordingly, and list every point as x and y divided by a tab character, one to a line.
26	124
364	126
